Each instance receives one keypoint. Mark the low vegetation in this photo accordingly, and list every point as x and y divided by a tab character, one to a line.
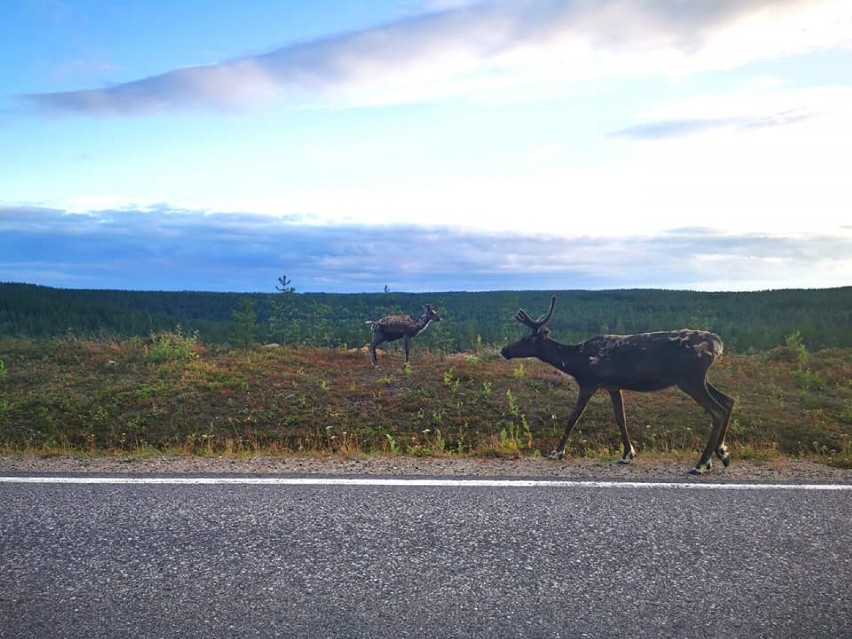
170	393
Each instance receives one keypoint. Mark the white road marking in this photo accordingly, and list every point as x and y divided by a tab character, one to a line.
403	482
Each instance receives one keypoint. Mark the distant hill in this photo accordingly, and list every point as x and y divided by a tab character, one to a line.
749	321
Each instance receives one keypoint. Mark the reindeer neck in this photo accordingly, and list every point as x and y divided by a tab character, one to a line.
422	323
565	357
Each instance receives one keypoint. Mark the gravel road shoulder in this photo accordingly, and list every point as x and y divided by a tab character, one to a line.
780	470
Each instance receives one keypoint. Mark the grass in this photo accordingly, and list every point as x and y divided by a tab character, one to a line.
170	394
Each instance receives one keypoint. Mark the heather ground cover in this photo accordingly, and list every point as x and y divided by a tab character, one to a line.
171	394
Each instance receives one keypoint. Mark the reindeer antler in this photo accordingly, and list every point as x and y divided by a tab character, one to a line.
523	317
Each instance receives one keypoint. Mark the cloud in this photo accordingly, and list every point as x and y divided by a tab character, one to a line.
478	48
673	128
662	129
162	249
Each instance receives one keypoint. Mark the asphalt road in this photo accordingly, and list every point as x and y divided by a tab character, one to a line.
407	560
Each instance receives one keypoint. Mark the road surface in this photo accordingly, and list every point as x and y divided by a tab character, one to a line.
254	556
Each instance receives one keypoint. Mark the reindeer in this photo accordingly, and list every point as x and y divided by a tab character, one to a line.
394	327
645	363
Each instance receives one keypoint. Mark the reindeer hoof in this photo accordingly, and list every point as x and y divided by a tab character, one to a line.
700	468
556	455
628	456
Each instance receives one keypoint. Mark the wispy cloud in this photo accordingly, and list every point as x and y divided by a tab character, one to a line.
674	128
464	49
162	249
661	129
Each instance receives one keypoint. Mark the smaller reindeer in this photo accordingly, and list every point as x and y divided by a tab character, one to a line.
394	327
645	362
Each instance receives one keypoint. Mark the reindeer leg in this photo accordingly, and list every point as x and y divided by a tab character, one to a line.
727	403
582	400
718	414
618	407
406	345
372	349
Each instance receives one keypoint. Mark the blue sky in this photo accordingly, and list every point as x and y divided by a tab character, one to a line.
426	145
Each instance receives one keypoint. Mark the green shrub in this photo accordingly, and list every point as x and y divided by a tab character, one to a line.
173	347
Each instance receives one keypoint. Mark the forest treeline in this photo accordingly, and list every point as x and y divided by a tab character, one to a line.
747	321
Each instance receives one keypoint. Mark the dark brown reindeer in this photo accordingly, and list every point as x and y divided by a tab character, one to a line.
394	327
645	362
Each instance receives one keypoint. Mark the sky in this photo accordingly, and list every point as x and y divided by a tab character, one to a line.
426	145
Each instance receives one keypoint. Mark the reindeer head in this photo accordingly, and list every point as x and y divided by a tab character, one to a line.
430	314
530	345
